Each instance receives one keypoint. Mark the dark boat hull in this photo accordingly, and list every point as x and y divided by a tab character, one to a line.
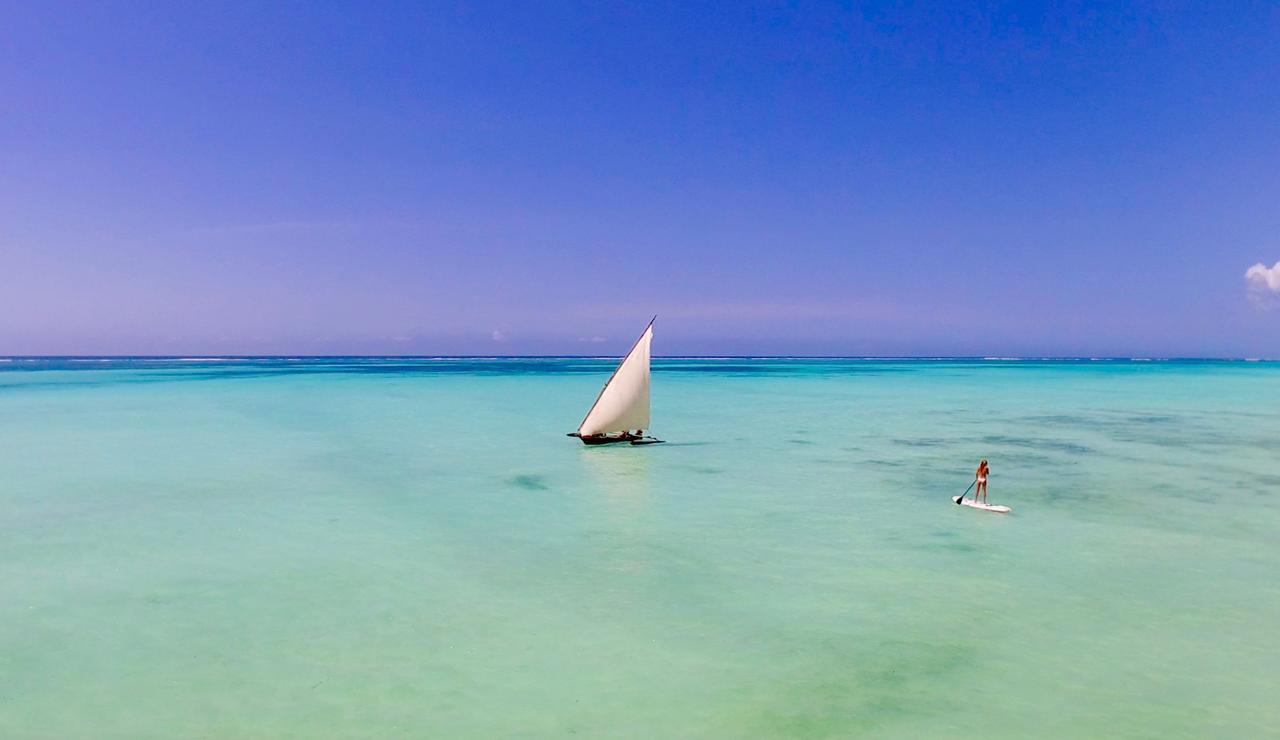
600	439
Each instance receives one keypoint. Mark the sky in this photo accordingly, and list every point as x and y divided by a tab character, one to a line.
818	178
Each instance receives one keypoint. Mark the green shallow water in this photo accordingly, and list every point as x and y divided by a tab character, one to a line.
375	548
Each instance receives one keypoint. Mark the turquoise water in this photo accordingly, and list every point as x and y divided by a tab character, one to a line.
377	548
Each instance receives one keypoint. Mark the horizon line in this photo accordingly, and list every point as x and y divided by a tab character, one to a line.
977	358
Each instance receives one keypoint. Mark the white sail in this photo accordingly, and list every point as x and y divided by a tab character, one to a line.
624	403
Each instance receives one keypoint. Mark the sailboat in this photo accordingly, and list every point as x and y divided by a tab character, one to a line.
621	411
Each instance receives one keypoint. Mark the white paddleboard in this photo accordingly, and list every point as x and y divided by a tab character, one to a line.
985	507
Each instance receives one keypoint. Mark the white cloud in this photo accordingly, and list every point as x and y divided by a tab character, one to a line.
1263	285
1260	276
498	336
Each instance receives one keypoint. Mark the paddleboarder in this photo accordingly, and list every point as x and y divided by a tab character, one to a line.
981	475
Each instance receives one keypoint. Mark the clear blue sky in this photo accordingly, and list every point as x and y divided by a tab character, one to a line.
505	178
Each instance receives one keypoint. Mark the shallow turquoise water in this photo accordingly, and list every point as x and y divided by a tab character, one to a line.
413	547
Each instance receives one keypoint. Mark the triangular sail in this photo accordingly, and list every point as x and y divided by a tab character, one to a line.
623	405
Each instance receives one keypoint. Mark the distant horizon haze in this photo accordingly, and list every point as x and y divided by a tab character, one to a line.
617	355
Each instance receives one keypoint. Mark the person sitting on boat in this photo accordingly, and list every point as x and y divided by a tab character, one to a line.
981	475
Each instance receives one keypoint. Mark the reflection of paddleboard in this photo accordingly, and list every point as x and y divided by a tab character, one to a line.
985	507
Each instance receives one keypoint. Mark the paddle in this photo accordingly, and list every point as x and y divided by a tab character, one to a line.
966	492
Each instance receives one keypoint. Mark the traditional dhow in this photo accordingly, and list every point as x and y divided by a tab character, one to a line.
621	411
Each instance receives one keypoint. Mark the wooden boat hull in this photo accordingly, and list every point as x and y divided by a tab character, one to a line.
601	439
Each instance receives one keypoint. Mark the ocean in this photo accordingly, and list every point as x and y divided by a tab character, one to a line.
399	547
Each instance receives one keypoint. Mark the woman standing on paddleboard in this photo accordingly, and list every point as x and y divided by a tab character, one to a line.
982	481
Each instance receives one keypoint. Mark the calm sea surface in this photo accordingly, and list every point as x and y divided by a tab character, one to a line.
380	548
